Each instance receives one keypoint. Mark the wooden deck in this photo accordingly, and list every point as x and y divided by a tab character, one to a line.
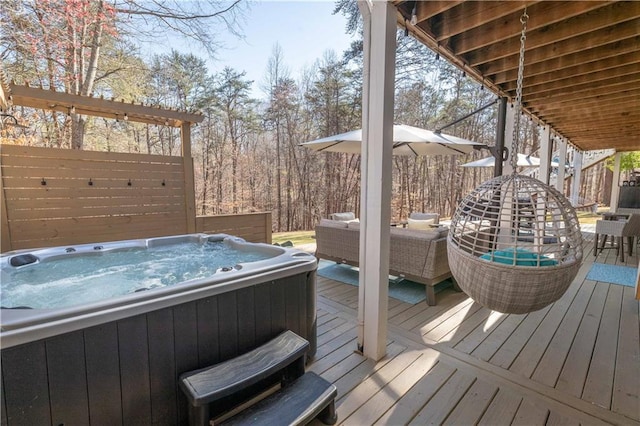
574	362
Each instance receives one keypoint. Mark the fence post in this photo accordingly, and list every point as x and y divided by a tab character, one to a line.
267	228
5	245
189	185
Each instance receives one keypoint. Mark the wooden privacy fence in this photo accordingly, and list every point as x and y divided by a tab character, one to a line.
54	197
253	227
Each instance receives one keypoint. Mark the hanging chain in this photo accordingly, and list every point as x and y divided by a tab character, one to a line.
518	104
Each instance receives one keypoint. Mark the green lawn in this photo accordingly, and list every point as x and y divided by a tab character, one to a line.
308	237
297	237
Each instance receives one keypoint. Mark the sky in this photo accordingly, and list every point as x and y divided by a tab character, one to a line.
302	41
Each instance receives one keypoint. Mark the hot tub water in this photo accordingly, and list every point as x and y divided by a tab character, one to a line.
75	280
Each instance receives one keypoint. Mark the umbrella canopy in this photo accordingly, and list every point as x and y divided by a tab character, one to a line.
407	140
523	161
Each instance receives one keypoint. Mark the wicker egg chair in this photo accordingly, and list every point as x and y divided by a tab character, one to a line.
514	244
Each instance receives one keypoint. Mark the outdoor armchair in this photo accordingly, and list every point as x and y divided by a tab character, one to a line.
618	230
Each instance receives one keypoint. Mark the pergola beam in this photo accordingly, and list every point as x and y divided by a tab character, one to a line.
69	103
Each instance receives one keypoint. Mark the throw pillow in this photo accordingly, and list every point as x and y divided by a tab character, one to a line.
343	216
333	223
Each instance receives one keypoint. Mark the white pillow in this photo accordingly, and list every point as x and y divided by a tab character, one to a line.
343	216
333	223
422	225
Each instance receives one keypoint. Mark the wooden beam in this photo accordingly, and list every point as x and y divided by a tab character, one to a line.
500	63
585	90
549	26
503	28
592	77
428	9
621	103
472	15
575	71
67	103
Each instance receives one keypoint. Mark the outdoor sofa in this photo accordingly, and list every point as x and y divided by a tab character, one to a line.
417	255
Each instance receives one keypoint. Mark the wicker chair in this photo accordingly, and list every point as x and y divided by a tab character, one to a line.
514	244
618	230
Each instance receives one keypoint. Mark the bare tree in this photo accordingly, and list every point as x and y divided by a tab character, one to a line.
61	42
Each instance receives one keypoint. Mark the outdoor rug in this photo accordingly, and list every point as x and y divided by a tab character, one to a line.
614	274
400	289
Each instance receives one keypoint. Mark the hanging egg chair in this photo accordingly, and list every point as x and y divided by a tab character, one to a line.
514	244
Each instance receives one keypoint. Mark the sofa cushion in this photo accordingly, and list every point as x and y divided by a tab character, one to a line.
416	233
343	216
425	216
422	224
333	223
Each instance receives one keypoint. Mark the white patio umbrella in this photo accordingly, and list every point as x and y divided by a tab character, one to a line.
407	140
523	161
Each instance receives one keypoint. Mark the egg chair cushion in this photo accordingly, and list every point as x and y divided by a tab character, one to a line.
522	256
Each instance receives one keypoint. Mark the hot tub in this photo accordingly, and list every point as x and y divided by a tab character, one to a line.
103	357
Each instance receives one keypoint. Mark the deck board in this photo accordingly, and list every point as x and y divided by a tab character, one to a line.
527	361
480	333
574	362
626	385
415	398
599	384
511	348
502	409
473	405
530	414
388	396
574	372
553	360
445	400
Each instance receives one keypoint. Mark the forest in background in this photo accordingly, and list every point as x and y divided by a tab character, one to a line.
246	151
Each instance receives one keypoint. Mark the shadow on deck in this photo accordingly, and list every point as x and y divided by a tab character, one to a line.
574	362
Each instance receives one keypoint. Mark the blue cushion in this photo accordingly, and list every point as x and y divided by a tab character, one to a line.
523	257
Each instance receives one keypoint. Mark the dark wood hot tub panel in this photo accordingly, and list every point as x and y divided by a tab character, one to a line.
126	371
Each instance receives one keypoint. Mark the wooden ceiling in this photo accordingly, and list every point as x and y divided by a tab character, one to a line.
582	60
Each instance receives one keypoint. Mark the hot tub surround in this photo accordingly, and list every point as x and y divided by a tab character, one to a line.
120	359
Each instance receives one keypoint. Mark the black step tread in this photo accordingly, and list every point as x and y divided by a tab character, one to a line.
211	383
296	404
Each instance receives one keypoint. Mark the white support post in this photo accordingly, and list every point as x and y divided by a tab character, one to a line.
615	185
562	164
577	176
377	134
546	143
510	121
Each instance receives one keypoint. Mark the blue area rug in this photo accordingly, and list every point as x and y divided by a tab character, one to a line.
614	274
400	289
